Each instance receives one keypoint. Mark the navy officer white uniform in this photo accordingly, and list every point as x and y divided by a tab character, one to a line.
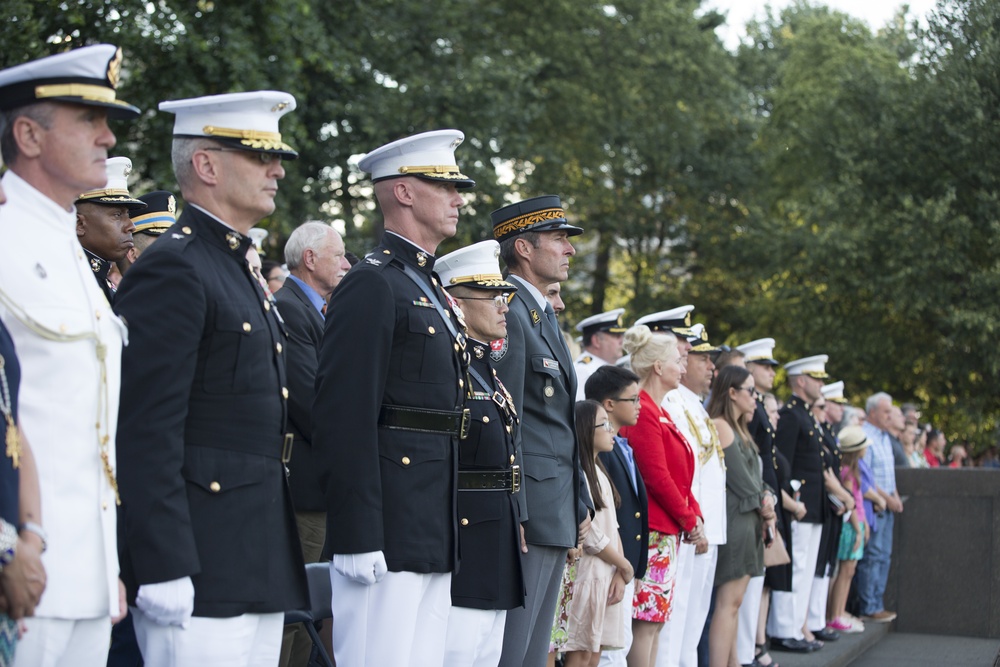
602	335
104	224
210	553
388	414
53	118
800	439
536	366
696	561
489	473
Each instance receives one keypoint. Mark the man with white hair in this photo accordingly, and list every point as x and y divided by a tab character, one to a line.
314	254
873	570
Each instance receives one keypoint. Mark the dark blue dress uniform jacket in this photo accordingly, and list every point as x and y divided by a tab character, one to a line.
832	525
201	427
800	439
304	326
388	489
9	476
633	514
489	532
775	471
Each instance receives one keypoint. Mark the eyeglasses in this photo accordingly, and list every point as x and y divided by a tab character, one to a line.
606	426
748	390
634	400
499	301
265	158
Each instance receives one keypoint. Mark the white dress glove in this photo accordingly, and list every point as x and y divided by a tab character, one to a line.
168	602
367	568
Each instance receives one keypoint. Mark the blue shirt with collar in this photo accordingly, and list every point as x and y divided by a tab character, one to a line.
626	448
314	298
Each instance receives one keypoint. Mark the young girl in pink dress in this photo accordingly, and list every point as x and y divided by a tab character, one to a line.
855	534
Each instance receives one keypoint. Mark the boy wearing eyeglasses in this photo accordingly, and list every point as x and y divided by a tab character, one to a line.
617	390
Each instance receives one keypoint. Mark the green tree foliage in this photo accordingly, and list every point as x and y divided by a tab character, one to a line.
825	185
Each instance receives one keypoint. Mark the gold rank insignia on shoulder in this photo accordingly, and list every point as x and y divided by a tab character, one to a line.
586	360
535	319
233	239
423	302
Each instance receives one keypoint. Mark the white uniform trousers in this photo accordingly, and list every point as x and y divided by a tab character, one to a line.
789	609
680	636
475	637
817	603
746	632
57	642
615	657
401	620
248	640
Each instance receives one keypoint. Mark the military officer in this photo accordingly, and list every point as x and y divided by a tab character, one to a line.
676	321
536	366
159	215
210	554
489	474
103	222
55	139
602	344
696	560
826	563
156	218
386	423
800	440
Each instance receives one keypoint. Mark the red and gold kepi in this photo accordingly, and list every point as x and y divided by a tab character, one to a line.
538	214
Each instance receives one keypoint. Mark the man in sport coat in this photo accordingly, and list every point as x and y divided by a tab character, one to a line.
314	254
535	365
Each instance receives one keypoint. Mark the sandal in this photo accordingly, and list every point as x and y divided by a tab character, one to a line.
761	652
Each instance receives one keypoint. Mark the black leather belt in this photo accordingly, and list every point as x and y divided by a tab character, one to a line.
490	480
448	422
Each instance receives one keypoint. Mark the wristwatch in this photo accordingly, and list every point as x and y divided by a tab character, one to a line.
8	543
32	527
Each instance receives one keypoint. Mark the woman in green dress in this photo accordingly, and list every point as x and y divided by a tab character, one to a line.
749	509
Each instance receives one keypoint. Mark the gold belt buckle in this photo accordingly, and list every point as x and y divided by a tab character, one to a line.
464	428
286	448
515	478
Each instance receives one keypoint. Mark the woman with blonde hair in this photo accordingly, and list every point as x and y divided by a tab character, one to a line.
666	462
749	509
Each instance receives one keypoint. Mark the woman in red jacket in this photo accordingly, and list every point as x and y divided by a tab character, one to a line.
666	462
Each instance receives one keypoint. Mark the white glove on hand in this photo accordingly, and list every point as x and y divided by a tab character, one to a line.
367	568
168	602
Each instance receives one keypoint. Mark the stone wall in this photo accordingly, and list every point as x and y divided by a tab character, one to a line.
945	575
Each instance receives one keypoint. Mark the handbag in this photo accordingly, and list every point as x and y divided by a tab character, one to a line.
775	553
